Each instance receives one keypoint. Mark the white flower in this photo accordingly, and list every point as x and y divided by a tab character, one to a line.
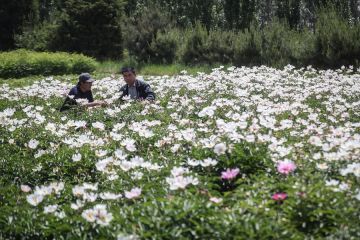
60	215
220	148
130	145
76	157
133	193
119	154
322	166
177	171
33	143
207	111
315	140
180	182
50	208
332	182
175	148
90	196
102	216
208	162
98	214
35	199
127	237
79	124
137	175
100	153
78	191
215	200
25	188
358	196
82	101
98	125
110	196
77	205
89	215
57	186
112	177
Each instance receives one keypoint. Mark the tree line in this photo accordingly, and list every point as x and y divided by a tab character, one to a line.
165	30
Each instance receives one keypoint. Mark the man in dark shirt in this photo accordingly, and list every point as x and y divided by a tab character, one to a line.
81	91
135	88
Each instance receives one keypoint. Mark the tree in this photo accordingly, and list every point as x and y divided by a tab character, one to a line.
232	13
12	16
290	11
92	27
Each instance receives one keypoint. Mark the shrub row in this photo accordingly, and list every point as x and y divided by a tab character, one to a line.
332	43
21	63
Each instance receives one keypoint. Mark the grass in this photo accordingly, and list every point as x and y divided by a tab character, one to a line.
25	81
105	68
110	67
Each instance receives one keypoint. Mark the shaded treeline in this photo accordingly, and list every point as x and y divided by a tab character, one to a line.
242	32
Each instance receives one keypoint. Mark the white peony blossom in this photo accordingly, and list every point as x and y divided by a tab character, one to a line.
33	143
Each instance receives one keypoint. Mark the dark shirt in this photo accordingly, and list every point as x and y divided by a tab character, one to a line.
143	90
77	93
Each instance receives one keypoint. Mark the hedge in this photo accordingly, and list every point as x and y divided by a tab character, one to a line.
22	63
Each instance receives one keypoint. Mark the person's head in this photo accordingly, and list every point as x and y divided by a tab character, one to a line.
85	82
129	75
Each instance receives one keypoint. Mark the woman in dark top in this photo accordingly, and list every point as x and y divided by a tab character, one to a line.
81	91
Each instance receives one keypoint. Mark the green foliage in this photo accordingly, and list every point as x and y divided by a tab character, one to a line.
214	208
164	47
275	44
203	47
21	63
90	27
195	45
13	14
37	38
336	40
246	32
247	49
145	37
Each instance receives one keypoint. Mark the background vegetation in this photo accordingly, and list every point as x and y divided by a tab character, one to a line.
23	63
323	33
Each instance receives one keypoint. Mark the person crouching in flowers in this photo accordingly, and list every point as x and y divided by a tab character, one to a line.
135	88
81	93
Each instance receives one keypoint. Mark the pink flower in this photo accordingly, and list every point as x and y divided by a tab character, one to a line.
286	167
230	173
280	196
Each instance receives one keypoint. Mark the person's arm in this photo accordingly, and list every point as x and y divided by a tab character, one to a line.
95	103
124	92
150	95
69	101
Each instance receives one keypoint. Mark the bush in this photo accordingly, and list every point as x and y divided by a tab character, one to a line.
206	47
302	48
275	44
90	27
145	34
247	47
195	45
221	47
21	63
37	38
164	47
336	46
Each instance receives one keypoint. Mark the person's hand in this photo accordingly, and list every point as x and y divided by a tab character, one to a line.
103	103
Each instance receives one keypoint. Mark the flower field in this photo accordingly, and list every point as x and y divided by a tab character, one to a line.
240	153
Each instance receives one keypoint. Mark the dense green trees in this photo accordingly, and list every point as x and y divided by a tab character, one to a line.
249	32
91	27
12	16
